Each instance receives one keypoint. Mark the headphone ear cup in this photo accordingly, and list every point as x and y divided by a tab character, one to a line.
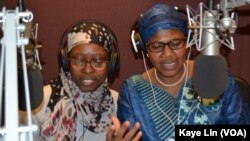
137	41
63	59
63	52
114	58
112	65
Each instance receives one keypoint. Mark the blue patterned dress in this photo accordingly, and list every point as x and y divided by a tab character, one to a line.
159	112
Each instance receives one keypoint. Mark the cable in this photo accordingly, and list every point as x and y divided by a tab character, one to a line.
151	85
185	83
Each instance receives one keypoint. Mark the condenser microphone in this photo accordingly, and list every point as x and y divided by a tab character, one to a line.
210	67
212	28
34	74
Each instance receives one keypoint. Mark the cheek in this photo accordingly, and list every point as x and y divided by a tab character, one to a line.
182	54
153	60
102	74
74	73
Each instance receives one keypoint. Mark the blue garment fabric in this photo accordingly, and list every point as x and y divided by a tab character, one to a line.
136	103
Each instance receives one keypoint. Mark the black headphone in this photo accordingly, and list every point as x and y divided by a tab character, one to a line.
114	57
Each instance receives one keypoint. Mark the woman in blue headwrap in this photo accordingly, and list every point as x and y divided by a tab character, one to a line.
163	96
78	104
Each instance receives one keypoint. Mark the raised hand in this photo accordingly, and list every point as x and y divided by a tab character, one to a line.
122	133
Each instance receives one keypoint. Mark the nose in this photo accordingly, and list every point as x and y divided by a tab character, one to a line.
167	51
88	68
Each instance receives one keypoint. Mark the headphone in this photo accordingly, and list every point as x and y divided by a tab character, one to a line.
63	60
136	39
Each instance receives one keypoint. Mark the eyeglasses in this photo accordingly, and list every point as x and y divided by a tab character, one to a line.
159	46
95	63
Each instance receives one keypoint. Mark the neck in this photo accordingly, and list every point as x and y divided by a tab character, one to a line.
178	80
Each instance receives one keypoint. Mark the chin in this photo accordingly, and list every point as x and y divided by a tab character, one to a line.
88	89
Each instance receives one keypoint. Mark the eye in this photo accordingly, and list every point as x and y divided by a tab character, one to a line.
97	61
155	45
175	43
76	62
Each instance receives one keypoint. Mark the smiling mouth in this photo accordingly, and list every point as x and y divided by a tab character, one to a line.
169	66
87	82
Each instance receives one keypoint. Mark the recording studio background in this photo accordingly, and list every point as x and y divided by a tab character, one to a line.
54	16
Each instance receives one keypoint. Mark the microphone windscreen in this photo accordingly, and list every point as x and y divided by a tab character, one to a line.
210	75
35	88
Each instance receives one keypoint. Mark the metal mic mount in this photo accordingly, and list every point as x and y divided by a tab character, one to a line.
221	19
209	28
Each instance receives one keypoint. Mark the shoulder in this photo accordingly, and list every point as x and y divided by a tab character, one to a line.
133	86
47	90
133	78
114	94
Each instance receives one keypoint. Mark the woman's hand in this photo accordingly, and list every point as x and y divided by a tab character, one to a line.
122	133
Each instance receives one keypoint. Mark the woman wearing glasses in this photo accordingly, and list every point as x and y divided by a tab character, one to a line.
78	104
163	96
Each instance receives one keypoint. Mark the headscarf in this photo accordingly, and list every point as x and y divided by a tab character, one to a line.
160	17
68	106
90	32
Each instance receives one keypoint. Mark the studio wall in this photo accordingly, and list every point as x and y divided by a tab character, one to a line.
54	16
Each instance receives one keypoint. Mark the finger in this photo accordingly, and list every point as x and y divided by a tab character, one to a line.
116	123
122	130
137	137
110	133
132	132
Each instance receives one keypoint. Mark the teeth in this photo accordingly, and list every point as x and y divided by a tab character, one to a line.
87	81
169	66
172	64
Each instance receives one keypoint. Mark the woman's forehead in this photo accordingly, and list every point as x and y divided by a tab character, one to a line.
88	49
168	34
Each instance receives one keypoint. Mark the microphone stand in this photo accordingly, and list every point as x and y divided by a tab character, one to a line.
12	38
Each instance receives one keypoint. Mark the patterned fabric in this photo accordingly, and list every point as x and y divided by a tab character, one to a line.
160	17
190	110
69	106
164	121
136	103
90	32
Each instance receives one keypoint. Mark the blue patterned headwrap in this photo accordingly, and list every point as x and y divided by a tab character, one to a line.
160	17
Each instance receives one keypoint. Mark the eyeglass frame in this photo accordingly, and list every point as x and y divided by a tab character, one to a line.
103	63
168	44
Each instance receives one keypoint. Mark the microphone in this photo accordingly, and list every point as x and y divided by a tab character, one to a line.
210	68
35	78
209	31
